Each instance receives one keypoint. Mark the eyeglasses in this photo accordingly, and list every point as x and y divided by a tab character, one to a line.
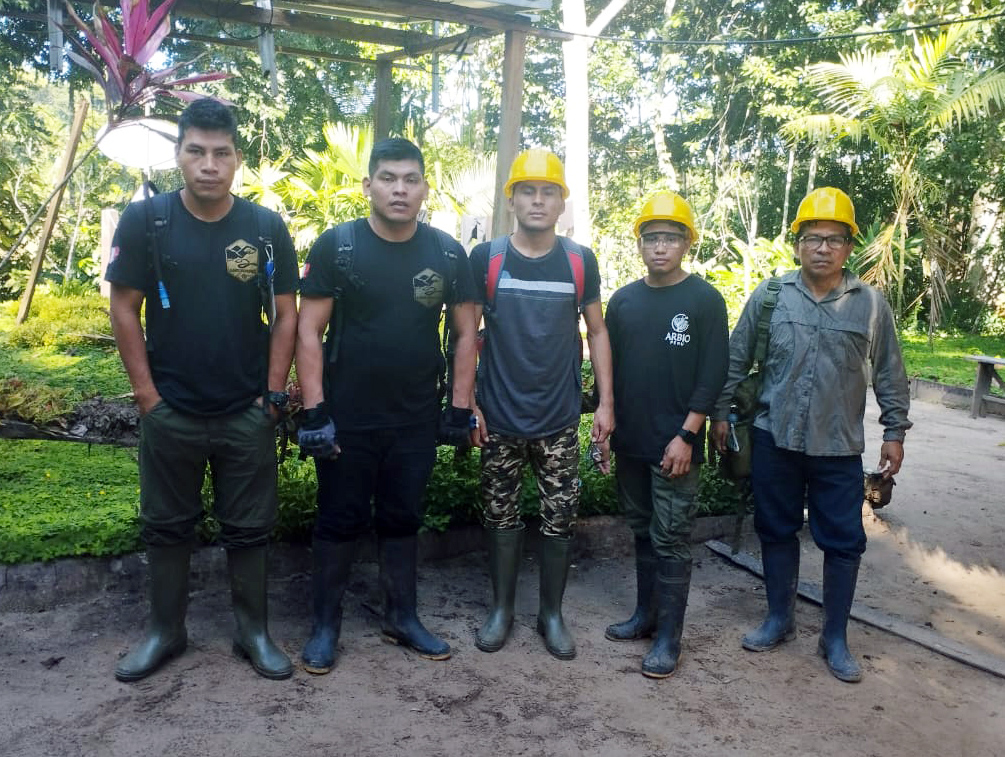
812	241
669	238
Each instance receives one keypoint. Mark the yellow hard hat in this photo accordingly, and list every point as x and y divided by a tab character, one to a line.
826	204
536	164
666	206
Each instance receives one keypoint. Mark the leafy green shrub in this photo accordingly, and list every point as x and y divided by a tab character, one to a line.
59	321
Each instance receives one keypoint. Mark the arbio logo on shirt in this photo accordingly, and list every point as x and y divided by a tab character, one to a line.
427	285
242	260
677	335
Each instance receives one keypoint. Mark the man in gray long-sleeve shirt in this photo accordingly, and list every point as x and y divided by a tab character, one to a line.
829	333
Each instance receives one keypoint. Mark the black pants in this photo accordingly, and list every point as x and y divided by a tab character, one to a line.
378	481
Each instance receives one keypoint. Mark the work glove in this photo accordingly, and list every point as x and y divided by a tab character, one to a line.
455	427
316	435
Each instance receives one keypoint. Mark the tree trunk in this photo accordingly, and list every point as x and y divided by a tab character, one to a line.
575	55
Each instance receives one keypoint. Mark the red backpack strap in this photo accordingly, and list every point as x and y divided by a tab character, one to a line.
574	254
497	256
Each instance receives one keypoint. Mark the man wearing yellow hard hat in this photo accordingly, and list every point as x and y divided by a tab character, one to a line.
669	342
829	333
532	287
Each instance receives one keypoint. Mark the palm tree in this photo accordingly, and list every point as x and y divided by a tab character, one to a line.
326	186
906	102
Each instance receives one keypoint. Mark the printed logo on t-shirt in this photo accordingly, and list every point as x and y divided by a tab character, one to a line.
677	335
242	260
428	288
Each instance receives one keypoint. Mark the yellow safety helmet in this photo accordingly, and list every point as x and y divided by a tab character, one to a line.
667	206
536	164
826	204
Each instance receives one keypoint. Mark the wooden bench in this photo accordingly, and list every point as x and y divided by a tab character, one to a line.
987	369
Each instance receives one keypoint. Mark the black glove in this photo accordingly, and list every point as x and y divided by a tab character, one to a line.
316	435
455	427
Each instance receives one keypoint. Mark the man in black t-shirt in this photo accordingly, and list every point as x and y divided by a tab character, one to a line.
533	286
379	285
669	339
209	380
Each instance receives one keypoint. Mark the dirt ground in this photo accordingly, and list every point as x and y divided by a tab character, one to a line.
935	560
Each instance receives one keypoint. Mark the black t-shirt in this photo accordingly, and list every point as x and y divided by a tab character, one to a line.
671	350
389	356
208	352
529	380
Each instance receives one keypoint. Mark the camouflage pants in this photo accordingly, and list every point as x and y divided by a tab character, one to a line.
555	462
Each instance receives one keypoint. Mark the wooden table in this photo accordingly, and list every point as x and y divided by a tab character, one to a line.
987	370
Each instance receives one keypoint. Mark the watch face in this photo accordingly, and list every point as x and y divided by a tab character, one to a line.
279	399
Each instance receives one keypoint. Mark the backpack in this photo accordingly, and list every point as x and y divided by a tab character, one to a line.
497	257
574	256
158	220
345	249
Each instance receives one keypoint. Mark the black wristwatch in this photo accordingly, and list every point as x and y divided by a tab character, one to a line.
280	400
688	436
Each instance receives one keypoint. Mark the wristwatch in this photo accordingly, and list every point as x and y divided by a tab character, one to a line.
688	436
280	400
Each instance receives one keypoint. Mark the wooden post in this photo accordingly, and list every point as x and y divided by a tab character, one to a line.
382	102
50	219
511	112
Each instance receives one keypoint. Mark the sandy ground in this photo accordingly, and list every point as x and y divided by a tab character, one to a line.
935	559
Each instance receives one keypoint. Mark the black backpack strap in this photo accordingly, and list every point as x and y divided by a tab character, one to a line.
266	269
158	217
764	319
345	250
446	378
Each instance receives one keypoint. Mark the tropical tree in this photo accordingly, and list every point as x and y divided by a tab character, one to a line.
907	102
325	186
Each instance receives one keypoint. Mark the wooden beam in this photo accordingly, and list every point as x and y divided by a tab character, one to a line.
440	45
925	637
511	111
302	23
299	52
382	102
65	164
428	10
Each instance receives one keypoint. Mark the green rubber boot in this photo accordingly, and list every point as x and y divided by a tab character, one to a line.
505	551
556	553
248	587
166	636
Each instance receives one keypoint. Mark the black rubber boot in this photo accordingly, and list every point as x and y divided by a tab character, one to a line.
643	620
556	553
248	591
332	568
781	579
505	552
166	636
673	580
840	577
397	577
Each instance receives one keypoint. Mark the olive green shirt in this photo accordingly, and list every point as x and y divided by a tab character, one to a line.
821	357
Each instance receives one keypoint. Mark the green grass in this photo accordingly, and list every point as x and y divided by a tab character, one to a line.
52	349
62	499
944	360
